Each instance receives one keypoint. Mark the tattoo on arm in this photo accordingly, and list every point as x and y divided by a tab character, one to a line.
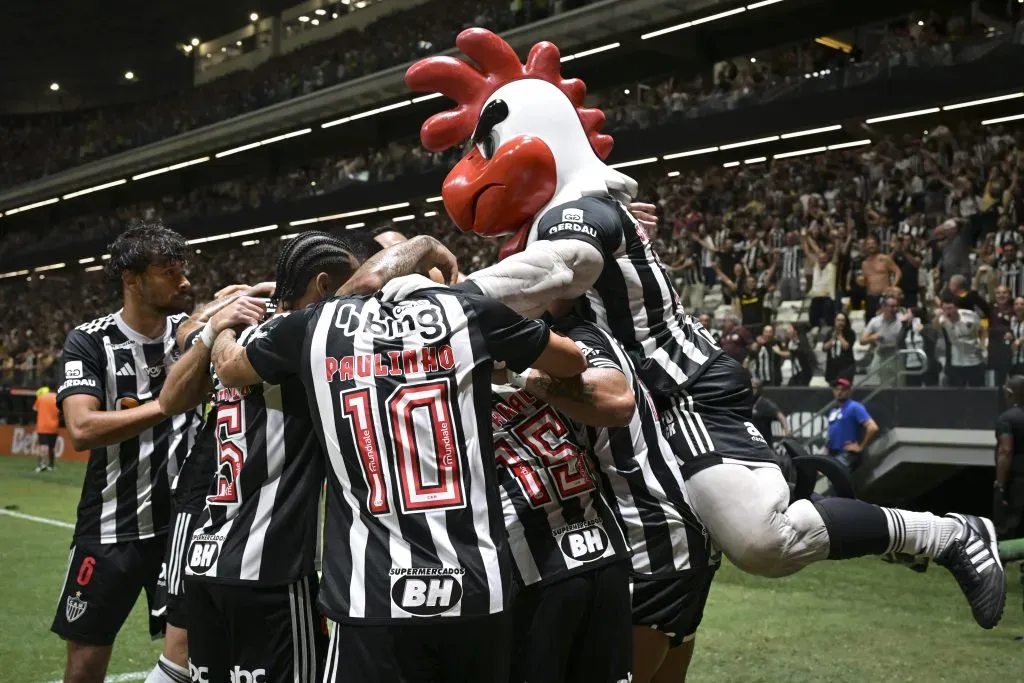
224	343
572	388
396	261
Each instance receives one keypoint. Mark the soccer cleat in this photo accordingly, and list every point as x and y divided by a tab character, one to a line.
40	467
973	558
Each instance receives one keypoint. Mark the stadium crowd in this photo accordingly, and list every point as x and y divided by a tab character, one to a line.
47	144
744	243
668	101
818	245
39	146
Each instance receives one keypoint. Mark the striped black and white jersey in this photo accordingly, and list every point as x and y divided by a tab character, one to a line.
639	473
1011	275
633	297
401	398
791	262
1017	330
764	364
558	520
259	525
126	493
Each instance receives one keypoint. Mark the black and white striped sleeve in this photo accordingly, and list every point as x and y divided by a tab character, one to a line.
83	363
594	345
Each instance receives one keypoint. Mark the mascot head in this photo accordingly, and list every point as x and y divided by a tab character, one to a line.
532	141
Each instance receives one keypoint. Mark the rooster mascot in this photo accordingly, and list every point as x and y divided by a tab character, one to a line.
535	174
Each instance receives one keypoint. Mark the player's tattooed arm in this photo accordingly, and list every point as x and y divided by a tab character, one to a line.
599	397
420	254
231	362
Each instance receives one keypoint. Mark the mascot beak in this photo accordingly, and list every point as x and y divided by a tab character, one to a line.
500	195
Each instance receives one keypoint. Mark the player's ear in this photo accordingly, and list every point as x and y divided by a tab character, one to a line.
322	283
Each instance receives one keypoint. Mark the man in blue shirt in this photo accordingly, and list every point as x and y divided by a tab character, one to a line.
850	427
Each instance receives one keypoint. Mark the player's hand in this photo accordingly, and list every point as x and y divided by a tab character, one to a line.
240	313
230	290
440	257
263	290
646	214
405	286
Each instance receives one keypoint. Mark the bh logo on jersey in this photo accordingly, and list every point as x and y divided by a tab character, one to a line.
203	554
426	592
583	543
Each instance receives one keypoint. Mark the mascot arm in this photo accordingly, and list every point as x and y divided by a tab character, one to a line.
529	281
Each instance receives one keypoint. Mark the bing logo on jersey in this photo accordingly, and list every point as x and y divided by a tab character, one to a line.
583	542
426	591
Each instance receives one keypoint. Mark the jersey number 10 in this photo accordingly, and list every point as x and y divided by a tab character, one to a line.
430	478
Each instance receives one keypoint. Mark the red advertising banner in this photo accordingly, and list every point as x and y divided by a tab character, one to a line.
21	440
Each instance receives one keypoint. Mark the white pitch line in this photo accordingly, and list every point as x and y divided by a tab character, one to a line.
117	678
41	520
121	678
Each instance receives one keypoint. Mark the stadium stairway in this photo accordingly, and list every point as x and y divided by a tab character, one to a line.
905	463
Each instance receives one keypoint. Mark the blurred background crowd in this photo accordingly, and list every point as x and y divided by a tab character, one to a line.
899	254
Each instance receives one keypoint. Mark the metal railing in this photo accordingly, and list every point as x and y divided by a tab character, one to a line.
902	370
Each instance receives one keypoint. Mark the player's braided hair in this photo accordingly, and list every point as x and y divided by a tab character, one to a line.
306	255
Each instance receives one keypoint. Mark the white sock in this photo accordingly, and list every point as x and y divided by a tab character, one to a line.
167	671
919	533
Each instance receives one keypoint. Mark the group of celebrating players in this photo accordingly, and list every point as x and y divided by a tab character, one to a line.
530	473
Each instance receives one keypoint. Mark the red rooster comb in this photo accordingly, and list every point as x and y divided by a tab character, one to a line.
470	87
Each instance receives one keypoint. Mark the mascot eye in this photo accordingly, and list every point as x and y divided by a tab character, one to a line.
488	146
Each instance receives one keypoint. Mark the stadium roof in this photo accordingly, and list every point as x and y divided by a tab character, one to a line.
87	47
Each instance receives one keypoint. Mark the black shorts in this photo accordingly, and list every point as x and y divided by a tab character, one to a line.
576	630
425	651
102	584
675	605
48	440
170	589
255	634
710	422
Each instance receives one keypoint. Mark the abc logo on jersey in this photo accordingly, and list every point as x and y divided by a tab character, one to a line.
426	596
585	545
202	555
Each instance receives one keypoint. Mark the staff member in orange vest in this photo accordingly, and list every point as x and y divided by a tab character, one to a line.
47	421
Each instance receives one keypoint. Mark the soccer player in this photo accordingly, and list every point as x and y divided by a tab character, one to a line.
672	561
114	368
416	562
47	421
572	618
249	563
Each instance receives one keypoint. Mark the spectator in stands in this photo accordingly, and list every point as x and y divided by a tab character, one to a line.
956	292
838	348
999	337
797	350
708	324
915	337
764	361
883	333
964	335
791	269
850	427
823	283
736	339
765	412
908	260
880	273
1015	337
689	274
1010	268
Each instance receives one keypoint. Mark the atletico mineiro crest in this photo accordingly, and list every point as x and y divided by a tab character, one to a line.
75	606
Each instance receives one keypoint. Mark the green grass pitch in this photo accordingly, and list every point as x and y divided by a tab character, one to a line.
859	621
